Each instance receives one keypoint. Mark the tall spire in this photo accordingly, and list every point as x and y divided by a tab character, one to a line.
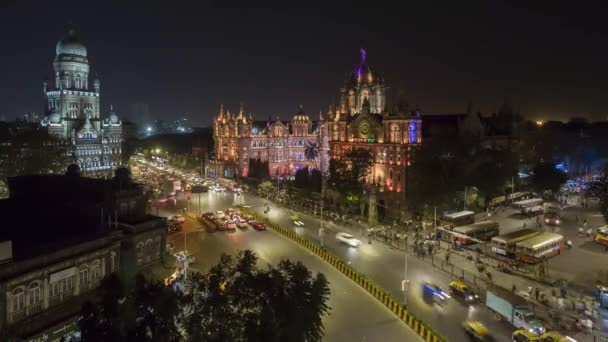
221	114
363	55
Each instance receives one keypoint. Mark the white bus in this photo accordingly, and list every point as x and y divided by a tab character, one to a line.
539	247
460	218
484	231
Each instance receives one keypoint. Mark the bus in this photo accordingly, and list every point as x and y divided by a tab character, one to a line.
601	235
532	202
460	218
539	247
484	230
505	244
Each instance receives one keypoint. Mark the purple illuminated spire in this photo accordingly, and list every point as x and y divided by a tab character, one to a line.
363	55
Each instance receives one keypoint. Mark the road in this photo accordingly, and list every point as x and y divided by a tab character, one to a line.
384	265
355	315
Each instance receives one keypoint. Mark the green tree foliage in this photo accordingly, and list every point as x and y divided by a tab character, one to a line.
347	174
265	189
445	165
238	301
258	169
302	178
547	177
234	301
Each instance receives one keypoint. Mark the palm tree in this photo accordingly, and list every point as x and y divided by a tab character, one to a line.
311	152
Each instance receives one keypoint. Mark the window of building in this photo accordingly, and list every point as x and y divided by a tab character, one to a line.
18	300
395	134
84	275
34	293
95	271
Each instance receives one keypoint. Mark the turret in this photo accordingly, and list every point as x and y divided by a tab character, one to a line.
96	85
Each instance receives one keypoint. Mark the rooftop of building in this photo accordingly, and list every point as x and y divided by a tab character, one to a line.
47	213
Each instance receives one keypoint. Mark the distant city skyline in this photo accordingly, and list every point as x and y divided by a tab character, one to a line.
548	61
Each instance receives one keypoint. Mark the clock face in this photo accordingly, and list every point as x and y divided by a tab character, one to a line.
364	128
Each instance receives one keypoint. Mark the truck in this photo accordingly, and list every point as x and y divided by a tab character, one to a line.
513	308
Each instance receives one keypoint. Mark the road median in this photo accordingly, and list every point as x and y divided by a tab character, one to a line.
420	327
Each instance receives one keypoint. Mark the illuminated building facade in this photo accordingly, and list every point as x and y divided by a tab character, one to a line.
287	145
362	120
73	110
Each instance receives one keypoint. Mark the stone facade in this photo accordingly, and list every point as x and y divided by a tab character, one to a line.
287	145
73	110
362	120
43	284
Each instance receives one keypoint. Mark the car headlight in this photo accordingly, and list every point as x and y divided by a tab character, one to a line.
469	297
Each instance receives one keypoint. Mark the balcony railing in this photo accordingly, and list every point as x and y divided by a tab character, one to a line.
16	316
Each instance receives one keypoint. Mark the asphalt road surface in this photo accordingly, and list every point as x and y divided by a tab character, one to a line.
355	315
384	265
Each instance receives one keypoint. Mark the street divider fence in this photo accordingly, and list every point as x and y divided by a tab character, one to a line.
420	327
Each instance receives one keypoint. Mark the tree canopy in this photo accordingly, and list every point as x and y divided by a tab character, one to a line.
442	168
234	301
347	174
547	177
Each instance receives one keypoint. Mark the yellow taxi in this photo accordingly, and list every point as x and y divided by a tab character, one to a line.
476	330
523	335
461	290
554	336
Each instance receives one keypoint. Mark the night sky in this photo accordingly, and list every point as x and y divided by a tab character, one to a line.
550	60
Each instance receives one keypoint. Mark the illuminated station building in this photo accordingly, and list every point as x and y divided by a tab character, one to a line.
285	145
360	120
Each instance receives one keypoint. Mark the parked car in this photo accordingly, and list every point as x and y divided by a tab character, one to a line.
257	225
241	223
229	226
348	239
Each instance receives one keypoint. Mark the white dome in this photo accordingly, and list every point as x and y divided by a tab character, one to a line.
71	45
114	119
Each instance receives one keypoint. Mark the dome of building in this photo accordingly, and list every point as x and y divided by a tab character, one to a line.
55	118
71	45
301	116
114	119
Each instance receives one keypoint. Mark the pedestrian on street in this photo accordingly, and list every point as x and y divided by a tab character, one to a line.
589	232
524	225
536	292
569	245
513	288
585	223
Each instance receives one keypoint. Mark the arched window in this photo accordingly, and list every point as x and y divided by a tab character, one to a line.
140	252
18	300
84	276
33	294
395	134
124	209
95	271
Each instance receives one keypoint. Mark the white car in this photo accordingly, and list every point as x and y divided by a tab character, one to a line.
348	239
241	223
178	218
298	223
